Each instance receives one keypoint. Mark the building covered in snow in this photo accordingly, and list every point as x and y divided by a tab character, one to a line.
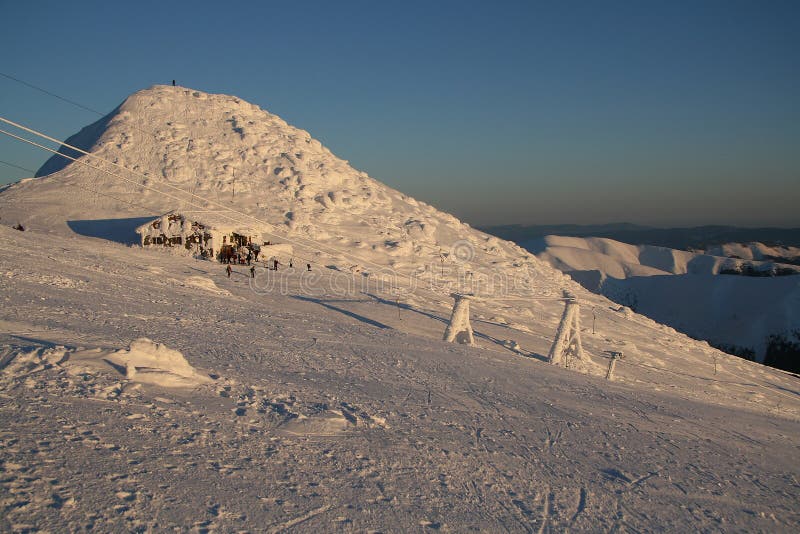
210	236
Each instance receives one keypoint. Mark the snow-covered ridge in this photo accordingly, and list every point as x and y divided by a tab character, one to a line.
756	251
610	258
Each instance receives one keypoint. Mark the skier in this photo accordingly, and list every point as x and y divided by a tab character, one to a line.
249	257
253	271
308	266
276	264
228	270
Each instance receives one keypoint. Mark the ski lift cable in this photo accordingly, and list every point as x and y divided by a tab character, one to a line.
64	99
45	91
17	166
83	162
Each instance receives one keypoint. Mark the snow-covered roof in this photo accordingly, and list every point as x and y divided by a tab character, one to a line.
179	223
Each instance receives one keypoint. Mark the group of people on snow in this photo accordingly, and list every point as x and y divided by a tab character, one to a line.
245	255
272	265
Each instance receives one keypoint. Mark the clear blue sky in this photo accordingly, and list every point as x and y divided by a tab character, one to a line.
665	113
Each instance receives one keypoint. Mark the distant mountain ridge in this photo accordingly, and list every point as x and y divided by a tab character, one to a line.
703	295
698	237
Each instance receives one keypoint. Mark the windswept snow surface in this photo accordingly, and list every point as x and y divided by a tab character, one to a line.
325	400
326	410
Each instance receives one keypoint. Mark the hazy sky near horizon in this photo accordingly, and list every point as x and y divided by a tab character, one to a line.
666	113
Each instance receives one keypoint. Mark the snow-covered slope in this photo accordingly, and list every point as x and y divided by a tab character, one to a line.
740	313
344	412
142	389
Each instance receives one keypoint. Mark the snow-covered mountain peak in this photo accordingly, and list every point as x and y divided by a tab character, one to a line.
173	149
212	144
219	148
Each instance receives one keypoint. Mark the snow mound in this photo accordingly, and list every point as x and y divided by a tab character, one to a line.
144	362
153	363
21	361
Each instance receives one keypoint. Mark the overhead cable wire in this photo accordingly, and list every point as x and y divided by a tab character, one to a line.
67	100
17	166
78	160
45	91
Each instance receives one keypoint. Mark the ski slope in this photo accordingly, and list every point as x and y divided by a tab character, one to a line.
342	411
